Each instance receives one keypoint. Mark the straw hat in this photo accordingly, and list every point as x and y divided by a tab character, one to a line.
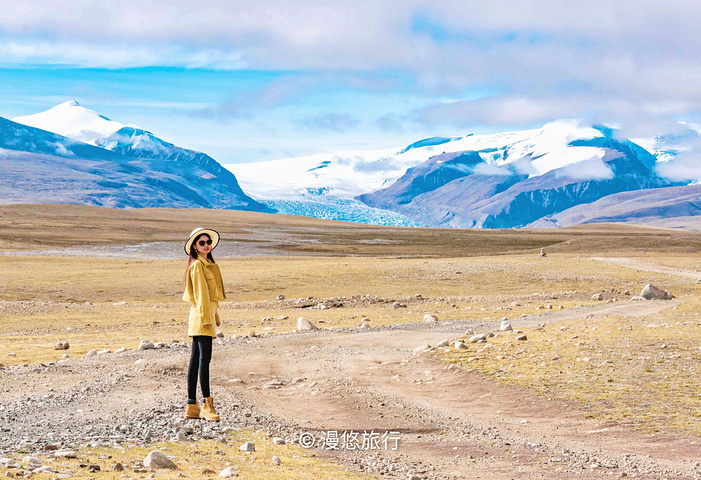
213	234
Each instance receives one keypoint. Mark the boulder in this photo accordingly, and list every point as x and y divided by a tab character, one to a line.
61	345
304	325
157	459
146	345
428	318
505	326
229	472
651	292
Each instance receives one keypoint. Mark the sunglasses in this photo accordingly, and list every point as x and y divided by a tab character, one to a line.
202	243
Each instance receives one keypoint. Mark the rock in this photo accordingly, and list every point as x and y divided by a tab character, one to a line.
66	454
91	353
399	305
220	334
93	467
428	318
103	352
32	462
229	472
423	348
120	350
118	467
460	345
248	447
651	292
156	459
208	471
282	317
522	337
252	334
305	325
278	441
505	326
146	345
45	469
180	436
597	297
11	354
276	460
480	337
160	345
62	345
280	297
637	298
443	343
364	325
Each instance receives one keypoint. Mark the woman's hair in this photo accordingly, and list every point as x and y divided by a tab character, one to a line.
193	255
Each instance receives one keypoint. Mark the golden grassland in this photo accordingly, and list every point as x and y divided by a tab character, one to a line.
641	371
637	370
192	458
47	299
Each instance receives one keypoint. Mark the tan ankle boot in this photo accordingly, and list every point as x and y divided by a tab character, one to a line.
207	411
192	411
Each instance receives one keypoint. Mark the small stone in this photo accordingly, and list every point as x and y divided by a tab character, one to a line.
459	345
597	297
120	303
45	469
11	354
146	345
180	436
103	352
637	298
305	325
120	350
428	318
92	468
480	337
248	447
443	343
32	462
220	334
61	345
505	326
276	460
229	472
399	305
66	454
91	353
278	441
156	459
208	471
522	337
118	467
280	297
282	317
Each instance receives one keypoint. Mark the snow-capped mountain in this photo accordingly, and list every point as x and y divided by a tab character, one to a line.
498	180
199	170
70	119
541	172
118	165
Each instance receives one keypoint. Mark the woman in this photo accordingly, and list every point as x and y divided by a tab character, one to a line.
204	289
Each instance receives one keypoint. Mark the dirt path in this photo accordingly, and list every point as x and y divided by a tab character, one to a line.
639	264
450	423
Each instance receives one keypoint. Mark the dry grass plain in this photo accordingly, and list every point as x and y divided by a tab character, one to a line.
641	372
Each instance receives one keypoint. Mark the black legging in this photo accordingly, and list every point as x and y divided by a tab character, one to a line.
199	360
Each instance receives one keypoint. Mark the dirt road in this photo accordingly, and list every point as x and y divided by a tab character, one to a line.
449	423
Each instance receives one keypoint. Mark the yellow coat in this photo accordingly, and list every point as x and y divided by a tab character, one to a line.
204	288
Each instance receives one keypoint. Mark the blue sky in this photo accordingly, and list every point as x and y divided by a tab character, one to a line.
249	82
